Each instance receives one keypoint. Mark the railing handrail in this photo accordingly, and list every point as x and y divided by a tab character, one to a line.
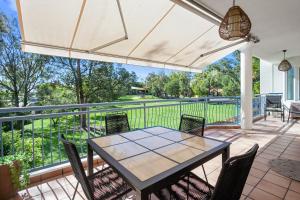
87	105
57	114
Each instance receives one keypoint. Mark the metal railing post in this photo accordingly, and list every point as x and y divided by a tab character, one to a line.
237	109
88	122
1	140
145	117
262	105
206	110
180	109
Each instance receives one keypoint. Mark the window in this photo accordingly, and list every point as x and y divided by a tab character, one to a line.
290	84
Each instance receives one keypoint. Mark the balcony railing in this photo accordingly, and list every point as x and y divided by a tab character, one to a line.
36	130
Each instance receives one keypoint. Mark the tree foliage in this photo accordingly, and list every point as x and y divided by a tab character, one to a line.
94	81
223	77
19	72
54	94
156	84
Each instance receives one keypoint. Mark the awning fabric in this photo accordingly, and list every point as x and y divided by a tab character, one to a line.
157	33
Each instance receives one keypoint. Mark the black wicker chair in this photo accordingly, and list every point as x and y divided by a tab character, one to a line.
104	184
116	123
229	186
273	104
192	124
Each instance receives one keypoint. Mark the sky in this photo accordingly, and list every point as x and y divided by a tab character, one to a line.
8	7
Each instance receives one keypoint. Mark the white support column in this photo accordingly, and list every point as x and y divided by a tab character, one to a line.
296	83
246	87
284	83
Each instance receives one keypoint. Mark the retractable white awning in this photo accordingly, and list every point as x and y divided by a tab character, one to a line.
157	33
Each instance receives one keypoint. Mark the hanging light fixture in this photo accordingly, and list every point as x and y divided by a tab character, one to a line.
235	25
284	65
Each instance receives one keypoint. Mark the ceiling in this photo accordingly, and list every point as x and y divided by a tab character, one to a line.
275	22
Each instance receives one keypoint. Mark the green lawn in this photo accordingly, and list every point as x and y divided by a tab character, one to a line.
47	149
137	98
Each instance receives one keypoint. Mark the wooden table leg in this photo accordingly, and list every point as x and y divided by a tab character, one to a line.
90	160
226	154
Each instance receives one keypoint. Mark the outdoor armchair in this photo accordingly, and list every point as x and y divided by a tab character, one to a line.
274	104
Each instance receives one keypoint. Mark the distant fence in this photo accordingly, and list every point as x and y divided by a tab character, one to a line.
36	130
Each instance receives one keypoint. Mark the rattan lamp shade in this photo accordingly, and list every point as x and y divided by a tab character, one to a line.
235	25
284	64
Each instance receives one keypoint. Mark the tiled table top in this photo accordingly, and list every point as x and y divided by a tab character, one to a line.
149	152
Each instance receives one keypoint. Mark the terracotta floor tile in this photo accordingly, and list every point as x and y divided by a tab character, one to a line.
247	189
49	195
60	193
295	186
257	173
281	181
251	180
274	153
53	184
272	188
261	166
291	195
268	156
273	172
33	191
258	194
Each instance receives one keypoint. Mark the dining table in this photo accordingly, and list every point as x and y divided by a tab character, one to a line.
150	159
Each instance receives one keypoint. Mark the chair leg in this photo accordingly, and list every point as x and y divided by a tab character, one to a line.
75	191
289	117
265	115
206	179
188	187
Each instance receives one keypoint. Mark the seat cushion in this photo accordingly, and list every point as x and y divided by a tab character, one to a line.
107	184
193	186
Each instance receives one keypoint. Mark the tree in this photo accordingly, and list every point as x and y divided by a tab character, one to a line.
156	84
3	20
172	86
208	83
185	84
54	94
223	77
93	81
108	83
19	71
256	75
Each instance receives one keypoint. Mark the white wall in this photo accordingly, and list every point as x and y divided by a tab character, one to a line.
266	77
278	80
271	80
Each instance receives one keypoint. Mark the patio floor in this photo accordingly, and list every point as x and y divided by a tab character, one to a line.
275	138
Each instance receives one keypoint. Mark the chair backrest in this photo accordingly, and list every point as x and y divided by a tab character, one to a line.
273	101
233	176
77	167
116	123
192	124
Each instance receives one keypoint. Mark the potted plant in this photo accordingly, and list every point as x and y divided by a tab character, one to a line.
14	175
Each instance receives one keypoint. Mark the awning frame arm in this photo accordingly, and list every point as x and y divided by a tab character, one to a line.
125	37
